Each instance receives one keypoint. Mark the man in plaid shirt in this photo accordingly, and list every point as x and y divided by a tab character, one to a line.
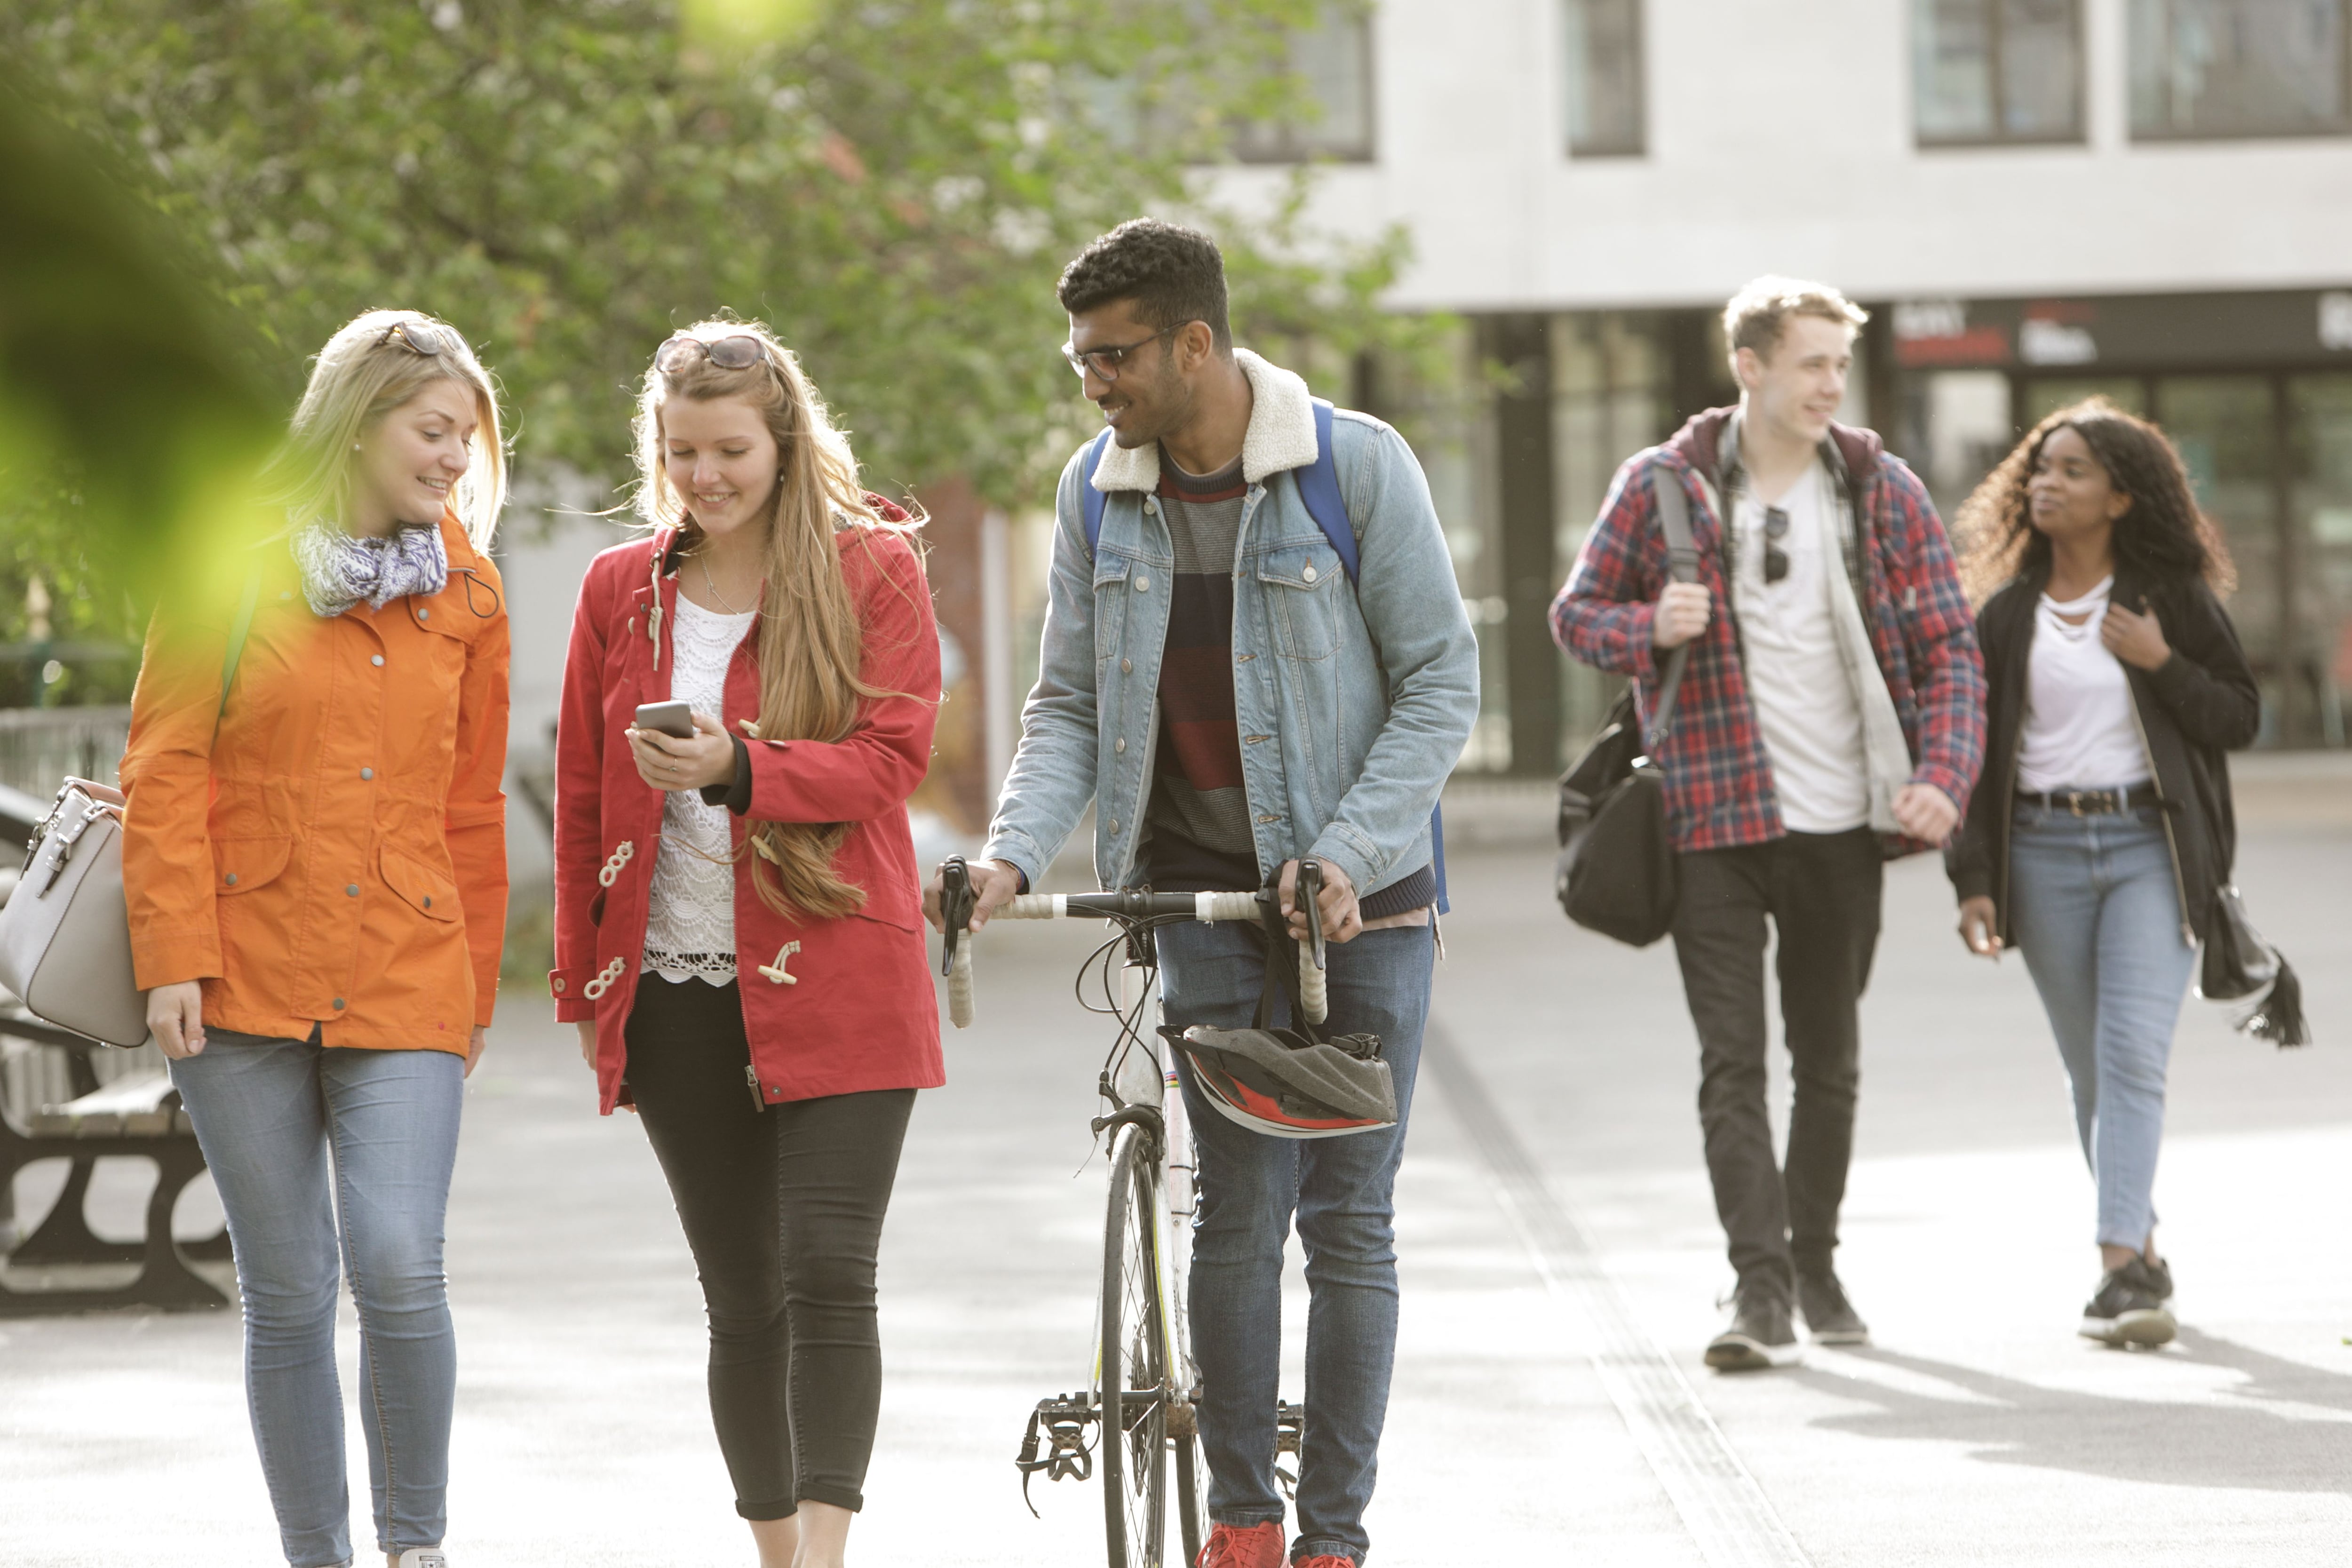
1830	716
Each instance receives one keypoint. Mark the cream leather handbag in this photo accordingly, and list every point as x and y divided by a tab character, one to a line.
65	934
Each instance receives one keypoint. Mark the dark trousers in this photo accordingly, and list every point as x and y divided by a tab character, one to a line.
783	1208
1821	893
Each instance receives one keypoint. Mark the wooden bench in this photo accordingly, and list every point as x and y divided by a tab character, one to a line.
137	1115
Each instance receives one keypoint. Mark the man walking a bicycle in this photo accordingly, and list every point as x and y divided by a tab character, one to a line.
1254	652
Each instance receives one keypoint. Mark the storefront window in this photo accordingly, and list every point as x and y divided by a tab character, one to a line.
1333	60
1997	70
2319	437
1603	79
2240	68
2043	398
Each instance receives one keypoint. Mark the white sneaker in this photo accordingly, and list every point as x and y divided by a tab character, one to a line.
422	1557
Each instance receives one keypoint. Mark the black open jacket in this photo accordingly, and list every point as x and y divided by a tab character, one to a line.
2199	705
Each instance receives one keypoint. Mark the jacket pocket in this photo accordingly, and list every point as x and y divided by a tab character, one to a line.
430	892
241	865
1110	603
1301	583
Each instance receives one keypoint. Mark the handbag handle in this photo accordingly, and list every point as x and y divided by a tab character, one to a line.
1682	566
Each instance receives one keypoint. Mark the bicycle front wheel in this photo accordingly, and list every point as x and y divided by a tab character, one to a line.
1134	1368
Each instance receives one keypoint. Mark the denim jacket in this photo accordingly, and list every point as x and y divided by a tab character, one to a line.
1353	702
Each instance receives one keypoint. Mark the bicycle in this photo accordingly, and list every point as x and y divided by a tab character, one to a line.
1144	1383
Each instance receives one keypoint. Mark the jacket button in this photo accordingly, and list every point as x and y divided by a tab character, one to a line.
1142	585
428	900
423	614
1307	572
230	879
558	985
1151	506
1114	828
1119	744
338	1003
367	772
351	891
1126	666
377	661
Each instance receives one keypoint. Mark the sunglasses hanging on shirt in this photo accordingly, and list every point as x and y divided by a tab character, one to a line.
1776	558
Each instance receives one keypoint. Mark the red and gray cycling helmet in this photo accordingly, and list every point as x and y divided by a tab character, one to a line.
1287	1085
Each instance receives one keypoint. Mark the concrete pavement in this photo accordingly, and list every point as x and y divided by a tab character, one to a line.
1980	1430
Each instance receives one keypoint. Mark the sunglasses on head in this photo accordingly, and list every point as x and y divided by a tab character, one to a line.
426	338
1776	529
737	350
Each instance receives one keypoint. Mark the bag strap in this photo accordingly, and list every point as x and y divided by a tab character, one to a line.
1682	566
239	627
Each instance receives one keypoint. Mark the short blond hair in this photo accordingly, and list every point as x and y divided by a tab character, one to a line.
363	373
1755	316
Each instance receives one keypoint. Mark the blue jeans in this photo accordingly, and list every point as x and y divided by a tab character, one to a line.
296	1134
1341	1191
2095	908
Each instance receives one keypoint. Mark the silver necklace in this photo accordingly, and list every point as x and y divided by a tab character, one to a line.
710	584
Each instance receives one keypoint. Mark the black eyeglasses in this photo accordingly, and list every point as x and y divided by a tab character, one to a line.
1776	529
1105	362
426	338
738	351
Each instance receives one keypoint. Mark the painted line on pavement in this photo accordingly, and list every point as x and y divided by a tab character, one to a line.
1726	1511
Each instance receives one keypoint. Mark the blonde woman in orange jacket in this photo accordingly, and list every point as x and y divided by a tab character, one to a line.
315	864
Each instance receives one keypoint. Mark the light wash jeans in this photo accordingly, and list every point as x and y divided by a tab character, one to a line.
2095	908
1339	1190
296	1136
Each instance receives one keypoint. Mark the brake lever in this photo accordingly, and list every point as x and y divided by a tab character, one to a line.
957	901
1307	896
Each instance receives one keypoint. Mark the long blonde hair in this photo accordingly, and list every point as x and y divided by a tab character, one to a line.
371	367
811	639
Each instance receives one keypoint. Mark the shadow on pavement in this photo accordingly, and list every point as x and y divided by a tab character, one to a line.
2206	1442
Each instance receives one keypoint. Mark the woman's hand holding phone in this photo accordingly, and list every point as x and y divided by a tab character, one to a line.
666	761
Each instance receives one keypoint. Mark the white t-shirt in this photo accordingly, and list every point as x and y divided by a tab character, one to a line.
2079	729
1804	702
690	905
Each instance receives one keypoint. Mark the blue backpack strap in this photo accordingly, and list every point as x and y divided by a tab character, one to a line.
1318	487
1090	500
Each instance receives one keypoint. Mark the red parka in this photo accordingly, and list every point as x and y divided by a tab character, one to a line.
830	1006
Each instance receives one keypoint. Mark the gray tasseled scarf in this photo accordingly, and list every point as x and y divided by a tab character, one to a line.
339	571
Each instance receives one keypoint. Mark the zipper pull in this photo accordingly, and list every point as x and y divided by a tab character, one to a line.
751	1077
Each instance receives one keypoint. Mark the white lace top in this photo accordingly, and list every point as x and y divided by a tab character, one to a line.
690	919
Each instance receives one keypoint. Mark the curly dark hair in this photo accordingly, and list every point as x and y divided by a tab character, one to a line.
2164	537
1173	275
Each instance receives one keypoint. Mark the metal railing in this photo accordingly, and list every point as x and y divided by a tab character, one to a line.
40	746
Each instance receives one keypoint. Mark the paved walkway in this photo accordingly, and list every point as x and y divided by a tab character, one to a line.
1979	1431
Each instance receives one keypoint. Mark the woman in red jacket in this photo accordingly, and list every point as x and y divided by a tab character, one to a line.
737	919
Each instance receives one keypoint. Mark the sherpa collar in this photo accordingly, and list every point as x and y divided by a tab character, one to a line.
1281	432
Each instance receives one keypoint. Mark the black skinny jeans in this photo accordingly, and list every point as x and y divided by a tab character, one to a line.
1820	892
783	1210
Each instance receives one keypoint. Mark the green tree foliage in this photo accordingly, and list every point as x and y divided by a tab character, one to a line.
893	184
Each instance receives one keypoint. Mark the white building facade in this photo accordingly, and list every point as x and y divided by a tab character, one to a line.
2038	199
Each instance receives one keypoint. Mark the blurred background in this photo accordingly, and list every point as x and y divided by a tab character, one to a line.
1506	226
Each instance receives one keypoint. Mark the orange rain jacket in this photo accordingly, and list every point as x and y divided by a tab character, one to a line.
336	853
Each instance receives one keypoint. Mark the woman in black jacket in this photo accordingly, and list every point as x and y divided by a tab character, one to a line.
2101	830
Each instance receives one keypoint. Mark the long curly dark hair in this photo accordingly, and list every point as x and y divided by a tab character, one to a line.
2164	538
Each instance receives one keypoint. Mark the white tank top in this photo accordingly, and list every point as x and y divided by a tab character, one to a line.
2080	733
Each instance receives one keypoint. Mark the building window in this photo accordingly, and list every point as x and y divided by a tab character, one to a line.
1604	79
1997	70
2240	68
1333	62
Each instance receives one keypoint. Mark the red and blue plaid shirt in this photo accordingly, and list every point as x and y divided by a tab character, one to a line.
1718	779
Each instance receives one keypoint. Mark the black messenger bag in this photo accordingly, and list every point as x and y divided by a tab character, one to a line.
1616	868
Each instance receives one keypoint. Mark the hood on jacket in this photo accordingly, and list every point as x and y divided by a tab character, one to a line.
1281	432
1700	444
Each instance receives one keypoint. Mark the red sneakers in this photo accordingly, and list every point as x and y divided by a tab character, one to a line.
1231	1546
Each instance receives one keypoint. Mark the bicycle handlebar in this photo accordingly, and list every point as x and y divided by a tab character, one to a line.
957	900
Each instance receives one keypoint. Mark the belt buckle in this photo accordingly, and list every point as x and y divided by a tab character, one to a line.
2075	802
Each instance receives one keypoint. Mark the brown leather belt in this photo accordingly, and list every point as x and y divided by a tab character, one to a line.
2093	802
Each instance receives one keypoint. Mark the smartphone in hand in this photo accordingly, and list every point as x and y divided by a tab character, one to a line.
673	718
